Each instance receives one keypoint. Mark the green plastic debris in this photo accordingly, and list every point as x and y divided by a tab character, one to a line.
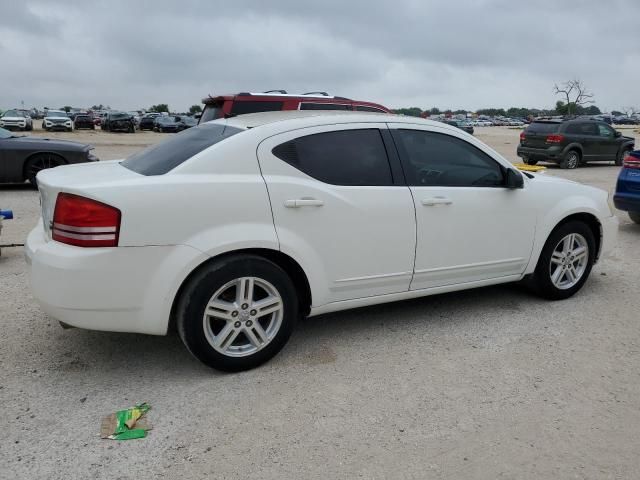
126	424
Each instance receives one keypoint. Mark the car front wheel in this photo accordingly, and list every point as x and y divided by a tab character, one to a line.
237	312
621	156
565	261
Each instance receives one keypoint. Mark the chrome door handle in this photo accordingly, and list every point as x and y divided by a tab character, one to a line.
430	202
303	202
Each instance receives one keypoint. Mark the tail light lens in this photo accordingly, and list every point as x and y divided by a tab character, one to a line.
555	138
84	222
522	136
631	162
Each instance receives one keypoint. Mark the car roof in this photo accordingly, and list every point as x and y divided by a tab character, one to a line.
320	117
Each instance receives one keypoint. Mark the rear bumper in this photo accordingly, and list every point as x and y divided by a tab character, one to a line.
553	153
123	289
627	201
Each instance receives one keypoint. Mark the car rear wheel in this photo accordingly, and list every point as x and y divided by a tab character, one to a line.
635	217
621	156
565	261
570	160
237	313
39	162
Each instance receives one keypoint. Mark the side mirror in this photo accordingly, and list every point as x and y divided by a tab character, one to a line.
514	179
617	134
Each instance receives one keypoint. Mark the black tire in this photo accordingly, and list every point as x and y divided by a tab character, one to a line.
131	129
38	162
542	277
529	161
209	281
621	154
634	216
570	160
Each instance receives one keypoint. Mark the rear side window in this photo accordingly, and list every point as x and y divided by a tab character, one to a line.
324	106
160	158
346	157
365	108
582	128
211	112
543	127
239	107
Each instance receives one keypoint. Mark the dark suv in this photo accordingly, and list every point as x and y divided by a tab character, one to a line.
274	100
571	143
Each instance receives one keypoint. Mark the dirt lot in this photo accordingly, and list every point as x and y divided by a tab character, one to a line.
488	383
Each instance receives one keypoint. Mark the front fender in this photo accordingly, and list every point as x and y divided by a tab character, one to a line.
550	219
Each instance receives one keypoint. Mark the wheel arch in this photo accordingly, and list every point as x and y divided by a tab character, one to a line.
591	221
575	147
33	155
284	261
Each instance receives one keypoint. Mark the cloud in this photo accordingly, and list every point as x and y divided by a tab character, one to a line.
405	53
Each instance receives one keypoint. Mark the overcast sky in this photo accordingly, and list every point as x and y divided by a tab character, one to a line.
457	54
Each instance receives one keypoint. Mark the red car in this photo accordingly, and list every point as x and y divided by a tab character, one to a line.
274	100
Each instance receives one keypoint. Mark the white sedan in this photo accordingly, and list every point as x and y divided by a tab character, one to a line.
234	229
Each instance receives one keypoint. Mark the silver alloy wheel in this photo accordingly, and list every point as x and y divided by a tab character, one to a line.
243	316
572	160
569	261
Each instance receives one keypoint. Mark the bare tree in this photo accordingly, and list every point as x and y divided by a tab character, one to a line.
575	92
628	111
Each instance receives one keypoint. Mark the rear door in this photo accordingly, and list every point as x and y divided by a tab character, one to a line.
585	134
339	208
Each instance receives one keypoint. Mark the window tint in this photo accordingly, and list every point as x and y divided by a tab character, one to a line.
605	131
435	159
543	127
364	108
164	156
239	108
324	106
586	128
345	157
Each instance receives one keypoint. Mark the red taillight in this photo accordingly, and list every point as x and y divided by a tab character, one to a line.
631	162
555	138
522	136
84	222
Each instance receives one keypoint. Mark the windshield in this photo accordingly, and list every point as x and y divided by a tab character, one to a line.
5	134
56	113
11	113
160	158
119	116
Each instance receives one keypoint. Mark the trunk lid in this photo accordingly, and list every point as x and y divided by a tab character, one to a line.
77	178
536	134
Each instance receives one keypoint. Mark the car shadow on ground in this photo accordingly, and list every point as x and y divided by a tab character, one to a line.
166	357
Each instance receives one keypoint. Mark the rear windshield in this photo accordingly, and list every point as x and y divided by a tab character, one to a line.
160	158
543	127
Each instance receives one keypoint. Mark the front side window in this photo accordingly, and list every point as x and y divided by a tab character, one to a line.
366	108
605	130
240	107
345	157
436	159
324	106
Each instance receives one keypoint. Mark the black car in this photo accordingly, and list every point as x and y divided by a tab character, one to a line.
118	122
460	124
146	122
167	123
84	120
22	157
571	143
186	121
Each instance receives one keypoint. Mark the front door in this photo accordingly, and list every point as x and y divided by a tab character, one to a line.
338	209
607	144
470	226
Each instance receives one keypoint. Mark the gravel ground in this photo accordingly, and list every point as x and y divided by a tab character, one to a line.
487	383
